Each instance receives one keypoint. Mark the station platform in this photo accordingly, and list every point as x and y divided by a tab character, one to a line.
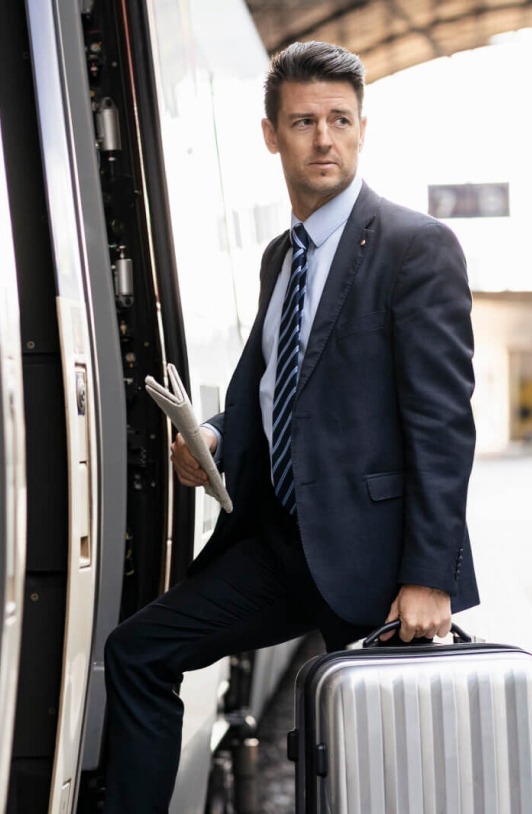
276	782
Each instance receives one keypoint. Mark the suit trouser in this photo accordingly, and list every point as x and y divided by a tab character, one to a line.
258	593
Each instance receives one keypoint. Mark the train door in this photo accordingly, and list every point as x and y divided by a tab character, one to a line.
60	410
90	440
12	485
99	518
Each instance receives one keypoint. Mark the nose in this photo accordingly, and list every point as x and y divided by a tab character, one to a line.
322	136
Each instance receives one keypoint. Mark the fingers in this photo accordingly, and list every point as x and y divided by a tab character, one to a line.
444	629
392	616
428	624
423	612
187	468
408	632
415	630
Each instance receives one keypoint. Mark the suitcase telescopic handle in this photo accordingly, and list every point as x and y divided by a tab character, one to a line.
372	640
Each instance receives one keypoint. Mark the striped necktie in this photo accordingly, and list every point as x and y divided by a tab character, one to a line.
287	370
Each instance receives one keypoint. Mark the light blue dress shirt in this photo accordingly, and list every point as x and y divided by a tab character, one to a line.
325	227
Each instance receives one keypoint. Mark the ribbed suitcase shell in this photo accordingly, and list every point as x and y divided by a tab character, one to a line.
419	730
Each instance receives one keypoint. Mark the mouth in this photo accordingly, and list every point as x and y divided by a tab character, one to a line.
323	164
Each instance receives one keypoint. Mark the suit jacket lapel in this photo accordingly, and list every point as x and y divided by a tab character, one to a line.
271	268
272	263
351	249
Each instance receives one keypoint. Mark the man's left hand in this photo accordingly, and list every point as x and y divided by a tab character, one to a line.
423	612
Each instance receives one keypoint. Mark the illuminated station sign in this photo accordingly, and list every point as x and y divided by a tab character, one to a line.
469	200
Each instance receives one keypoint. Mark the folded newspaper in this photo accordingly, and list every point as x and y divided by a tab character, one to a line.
179	410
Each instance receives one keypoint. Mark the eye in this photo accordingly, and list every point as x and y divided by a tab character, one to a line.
306	122
343	121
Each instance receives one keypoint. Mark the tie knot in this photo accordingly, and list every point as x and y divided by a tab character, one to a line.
300	237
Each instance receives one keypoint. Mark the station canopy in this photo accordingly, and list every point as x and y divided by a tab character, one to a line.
390	35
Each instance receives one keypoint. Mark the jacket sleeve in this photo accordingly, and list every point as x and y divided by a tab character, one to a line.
216	423
433	345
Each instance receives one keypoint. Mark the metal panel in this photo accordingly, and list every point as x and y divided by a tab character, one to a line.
110	408
80	395
441	732
12	486
99	368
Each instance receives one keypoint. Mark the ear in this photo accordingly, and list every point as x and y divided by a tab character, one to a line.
363	123
270	136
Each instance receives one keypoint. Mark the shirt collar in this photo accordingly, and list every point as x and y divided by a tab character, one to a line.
326	220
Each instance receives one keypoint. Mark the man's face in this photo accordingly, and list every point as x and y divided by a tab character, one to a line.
319	135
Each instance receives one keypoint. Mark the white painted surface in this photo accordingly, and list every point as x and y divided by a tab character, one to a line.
500	525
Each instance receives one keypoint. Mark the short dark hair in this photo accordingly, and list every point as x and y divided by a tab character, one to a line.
311	62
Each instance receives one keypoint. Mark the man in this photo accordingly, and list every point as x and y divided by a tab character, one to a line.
347	437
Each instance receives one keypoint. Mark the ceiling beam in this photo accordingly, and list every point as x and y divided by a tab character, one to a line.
390	35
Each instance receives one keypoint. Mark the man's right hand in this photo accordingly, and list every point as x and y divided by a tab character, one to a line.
187	468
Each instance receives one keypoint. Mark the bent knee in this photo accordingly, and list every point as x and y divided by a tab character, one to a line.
120	644
136	647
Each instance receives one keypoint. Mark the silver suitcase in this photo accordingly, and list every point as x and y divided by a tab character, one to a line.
425	729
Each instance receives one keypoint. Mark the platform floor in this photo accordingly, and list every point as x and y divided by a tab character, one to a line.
276	772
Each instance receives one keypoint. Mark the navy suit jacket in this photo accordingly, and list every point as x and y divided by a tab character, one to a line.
383	434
